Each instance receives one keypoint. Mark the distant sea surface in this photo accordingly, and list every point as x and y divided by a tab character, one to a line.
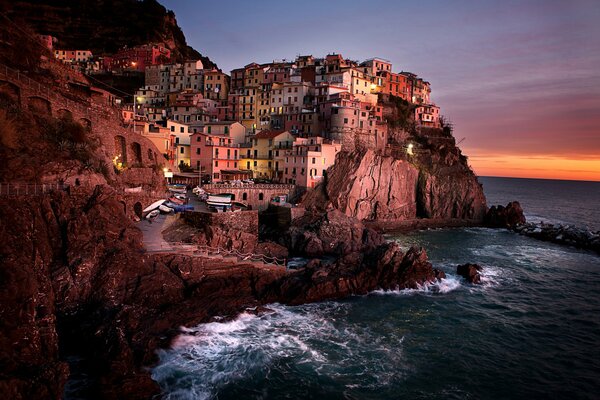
531	331
567	202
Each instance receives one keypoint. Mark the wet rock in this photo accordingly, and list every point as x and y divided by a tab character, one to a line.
470	272
330	233
562	234
370	186
509	217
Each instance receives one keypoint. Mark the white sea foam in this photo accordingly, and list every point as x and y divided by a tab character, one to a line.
211	356
446	285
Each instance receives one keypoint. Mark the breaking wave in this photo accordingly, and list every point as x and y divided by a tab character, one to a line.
305	340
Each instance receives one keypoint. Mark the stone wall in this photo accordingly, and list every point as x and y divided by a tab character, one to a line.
104	121
280	218
257	196
245	221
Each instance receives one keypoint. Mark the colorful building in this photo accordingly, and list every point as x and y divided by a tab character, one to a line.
265	156
139	57
307	162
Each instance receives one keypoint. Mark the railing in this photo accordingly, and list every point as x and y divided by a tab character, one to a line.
210	251
263	186
252	257
29	189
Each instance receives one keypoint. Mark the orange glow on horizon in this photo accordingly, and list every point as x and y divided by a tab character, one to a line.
536	166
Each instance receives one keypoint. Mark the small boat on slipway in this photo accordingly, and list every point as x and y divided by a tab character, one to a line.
152	214
154	206
165	209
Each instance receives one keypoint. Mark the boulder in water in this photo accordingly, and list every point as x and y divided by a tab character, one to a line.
470	272
509	217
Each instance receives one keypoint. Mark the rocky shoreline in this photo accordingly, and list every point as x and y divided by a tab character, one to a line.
80	285
561	234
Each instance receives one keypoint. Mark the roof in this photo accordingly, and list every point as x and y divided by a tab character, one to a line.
235	171
268	134
221	123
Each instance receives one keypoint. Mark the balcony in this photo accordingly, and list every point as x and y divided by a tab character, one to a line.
256	156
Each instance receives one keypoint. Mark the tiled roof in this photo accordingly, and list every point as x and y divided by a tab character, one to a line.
268	134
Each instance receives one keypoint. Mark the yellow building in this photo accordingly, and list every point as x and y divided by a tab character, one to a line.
263	157
216	85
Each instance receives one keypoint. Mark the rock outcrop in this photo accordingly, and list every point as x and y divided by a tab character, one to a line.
561	234
331	233
387	189
76	282
508	217
355	274
104	28
470	272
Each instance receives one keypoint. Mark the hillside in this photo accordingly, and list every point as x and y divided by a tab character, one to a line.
104	26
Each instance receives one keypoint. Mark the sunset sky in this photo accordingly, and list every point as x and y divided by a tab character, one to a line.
519	80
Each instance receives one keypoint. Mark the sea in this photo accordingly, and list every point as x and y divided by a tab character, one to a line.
530	331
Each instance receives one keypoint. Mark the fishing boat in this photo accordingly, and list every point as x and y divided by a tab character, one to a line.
165	209
176	200
152	214
154	205
219	200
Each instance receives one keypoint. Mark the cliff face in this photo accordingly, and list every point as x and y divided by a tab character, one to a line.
433	182
105	26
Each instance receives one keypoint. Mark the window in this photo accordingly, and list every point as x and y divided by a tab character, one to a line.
209	128
198	150
261	196
244	196
345	120
226	130
172	128
216	163
181	130
181	150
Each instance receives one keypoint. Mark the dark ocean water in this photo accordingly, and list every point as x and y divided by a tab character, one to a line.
567	202
532	330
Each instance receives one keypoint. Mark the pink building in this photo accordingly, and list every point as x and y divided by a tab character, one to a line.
306	164
215	156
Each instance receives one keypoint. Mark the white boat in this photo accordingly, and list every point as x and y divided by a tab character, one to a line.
219	200
165	209
153	214
154	205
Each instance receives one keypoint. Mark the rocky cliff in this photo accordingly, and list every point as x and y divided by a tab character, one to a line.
421	175
104	26
79	285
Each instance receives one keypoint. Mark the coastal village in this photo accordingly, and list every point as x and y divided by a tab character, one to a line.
145	190
281	122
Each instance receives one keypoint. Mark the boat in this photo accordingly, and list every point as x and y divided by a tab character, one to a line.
219	200
176	188
181	207
154	205
176	200
198	191
152	214
165	209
